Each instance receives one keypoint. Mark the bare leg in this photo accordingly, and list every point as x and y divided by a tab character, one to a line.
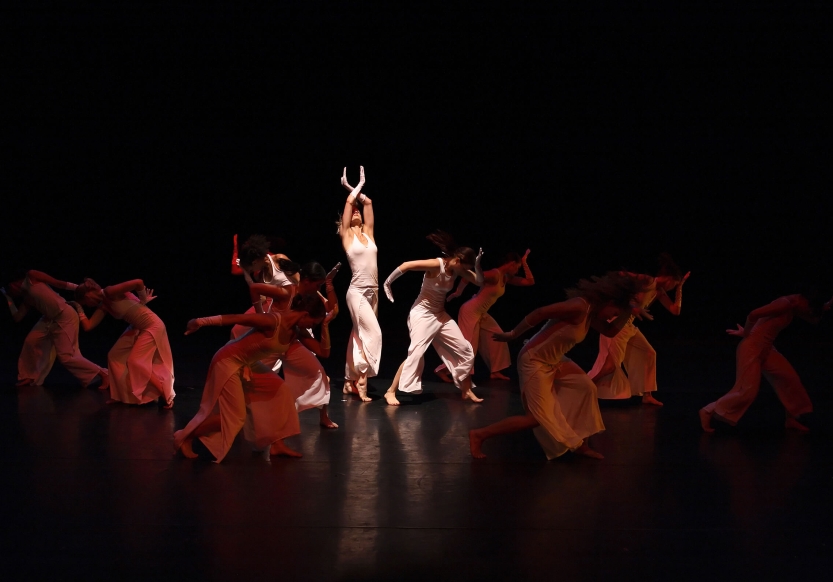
508	425
187	449
361	386
390	395
706	420
468	393
324	419
586	451
648	398
280	448
608	368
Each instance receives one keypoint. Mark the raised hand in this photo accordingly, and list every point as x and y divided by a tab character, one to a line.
526	254
479	256
192	326
685	278
344	181
361	175
149	296
736	332
332	274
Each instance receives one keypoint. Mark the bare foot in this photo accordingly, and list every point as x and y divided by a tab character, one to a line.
648	398
187	450
706	420
471	396
324	419
110	401
792	423
279	448
349	387
169	404
25	382
361	385
105	379
475	442
586	451
444	375
390	398
498	376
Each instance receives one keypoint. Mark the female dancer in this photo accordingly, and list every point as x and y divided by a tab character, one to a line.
428	322
756	355
140	363
629	346
55	333
559	399
364	350
222	411
474	319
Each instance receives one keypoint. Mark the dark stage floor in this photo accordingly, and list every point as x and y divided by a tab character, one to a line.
92	491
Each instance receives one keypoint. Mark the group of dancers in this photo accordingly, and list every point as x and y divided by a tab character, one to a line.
286	330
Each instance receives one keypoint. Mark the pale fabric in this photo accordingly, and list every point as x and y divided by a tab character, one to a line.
429	324
364	348
565	406
270	408
757	356
223	393
305	377
141	353
55	335
277	279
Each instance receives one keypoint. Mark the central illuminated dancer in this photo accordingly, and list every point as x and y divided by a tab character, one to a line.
475	322
428	322
559	399
141	364
364	350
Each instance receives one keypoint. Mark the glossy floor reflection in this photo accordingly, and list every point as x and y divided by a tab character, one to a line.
93	491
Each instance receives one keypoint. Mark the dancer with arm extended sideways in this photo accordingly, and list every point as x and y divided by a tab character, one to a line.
756	356
428	322
558	397
364	349
54	335
630	349
474	320
140	363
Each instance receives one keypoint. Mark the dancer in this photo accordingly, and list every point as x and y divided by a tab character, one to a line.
475	322
756	356
428	322
55	333
629	346
140	363
222	411
364	349
559	399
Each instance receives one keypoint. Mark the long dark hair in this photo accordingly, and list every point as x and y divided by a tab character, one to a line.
313	271
616	287
449	249
256	247
309	302
668	268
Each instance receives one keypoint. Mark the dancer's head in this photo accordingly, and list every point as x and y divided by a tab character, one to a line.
510	263
813	297
608	295
89	293
312	277
253	253
670	274
457	258
355	218
312	307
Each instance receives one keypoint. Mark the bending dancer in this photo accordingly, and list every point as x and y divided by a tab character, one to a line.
629	346
141	364
475	322
222	411
559	399
428	322
55	333
364	349
756	355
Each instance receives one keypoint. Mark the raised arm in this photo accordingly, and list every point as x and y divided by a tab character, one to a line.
320	348
264	322
527	279
40	277
331	303
677	304
137	286
425	265
475	277
570	311
235	260
355	193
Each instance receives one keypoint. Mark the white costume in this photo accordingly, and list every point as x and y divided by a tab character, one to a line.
628	347
364	350
141	352
55	334
277	278
478	326
565	406
429	324
266	397
755	356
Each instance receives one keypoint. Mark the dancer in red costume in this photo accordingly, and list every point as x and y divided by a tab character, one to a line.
559	399
757	356
140	363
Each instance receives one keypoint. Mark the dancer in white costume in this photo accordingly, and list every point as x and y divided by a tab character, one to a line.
364	349
629	346
140	363
757	356
559	399
228	396
54	335
475	322
428	322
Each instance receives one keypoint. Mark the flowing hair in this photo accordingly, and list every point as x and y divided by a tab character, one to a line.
615	287
85	287
256	247
449	249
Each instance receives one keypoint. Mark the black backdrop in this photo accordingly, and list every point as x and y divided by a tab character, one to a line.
138	139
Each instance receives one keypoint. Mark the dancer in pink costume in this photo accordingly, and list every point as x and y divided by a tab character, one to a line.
54	335
364	349
227	395
140	363
474	320
629	346
559	399
757	356
428	322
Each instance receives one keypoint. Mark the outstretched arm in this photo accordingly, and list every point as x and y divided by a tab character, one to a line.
527	279
114	292
265	322
425	265
569	310
40	277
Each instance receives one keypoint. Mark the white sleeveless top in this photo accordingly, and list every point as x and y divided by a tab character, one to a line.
43	298
434	289
362	261
557	338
